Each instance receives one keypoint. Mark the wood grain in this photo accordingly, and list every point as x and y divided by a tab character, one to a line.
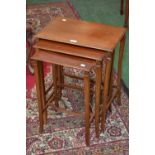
82	33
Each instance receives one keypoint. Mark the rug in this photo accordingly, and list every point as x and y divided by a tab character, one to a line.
63	134
38	16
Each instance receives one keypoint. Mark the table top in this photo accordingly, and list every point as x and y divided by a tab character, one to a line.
70	49
64	60
82	33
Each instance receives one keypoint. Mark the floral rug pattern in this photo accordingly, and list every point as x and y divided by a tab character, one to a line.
63	134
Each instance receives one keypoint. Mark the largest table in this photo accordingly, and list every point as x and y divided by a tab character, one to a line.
87	40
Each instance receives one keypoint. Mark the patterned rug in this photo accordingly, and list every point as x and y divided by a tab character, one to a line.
63	134
37	16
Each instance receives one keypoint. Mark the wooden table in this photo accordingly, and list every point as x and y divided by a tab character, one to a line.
92	41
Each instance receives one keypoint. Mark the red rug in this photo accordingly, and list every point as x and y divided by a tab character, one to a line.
64	135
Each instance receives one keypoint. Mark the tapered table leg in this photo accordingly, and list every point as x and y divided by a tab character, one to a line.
55	79
105	92
42	85
60	80
111	79
97	96
121	51
87	104
39	94
62	76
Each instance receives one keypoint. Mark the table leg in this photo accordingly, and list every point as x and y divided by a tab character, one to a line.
97	96
60	80
55	79
62	76
39	94
111	79
87	104
105	92
42	85
121	51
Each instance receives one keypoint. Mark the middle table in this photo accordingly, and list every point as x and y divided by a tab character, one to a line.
79	52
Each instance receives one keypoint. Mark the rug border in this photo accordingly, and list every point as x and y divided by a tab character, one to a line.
68	2
43	3
91	147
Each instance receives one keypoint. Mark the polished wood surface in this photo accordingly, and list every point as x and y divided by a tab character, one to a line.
82	33
70	49
65	60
